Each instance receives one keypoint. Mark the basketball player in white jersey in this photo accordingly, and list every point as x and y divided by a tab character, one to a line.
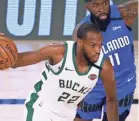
72	71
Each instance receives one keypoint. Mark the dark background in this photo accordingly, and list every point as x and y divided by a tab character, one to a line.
57	19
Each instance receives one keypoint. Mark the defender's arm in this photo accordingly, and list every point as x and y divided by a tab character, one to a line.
107	76
129	11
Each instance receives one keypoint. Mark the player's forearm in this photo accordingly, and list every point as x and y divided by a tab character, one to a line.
112	110
25	59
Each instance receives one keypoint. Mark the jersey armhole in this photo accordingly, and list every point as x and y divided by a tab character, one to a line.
128	27
64	60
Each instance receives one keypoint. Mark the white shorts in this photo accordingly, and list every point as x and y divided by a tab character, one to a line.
37	114
40	114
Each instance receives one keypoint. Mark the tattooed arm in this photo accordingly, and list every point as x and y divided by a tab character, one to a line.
129	11
53	53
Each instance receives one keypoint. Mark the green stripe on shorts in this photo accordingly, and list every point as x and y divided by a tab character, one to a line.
33	98
29	105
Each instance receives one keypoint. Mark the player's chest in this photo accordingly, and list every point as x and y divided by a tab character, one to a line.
116	38
70	79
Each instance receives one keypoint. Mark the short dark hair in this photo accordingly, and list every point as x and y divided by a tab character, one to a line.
86	1
86	27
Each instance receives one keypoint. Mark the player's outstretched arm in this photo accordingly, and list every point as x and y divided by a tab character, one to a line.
49	52
107	76
129	11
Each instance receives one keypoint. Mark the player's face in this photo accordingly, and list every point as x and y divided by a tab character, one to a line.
92	46
99	8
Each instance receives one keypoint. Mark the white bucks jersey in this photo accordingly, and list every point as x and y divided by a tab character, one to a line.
61	89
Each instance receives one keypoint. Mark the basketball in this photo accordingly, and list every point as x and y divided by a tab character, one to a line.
8	53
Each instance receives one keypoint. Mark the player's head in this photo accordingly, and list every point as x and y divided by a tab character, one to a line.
89	40
99	8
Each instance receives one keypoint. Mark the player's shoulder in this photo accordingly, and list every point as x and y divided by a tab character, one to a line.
60	50
83	21
60	47
56	51
86	19
53	49
106	66
55	45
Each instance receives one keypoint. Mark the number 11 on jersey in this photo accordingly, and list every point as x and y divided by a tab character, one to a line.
114	59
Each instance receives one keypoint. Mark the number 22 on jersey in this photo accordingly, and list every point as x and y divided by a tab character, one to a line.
66	96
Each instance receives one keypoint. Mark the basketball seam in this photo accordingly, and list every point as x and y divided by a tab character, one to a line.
7	55
12	43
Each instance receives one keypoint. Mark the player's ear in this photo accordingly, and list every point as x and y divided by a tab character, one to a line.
79	42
